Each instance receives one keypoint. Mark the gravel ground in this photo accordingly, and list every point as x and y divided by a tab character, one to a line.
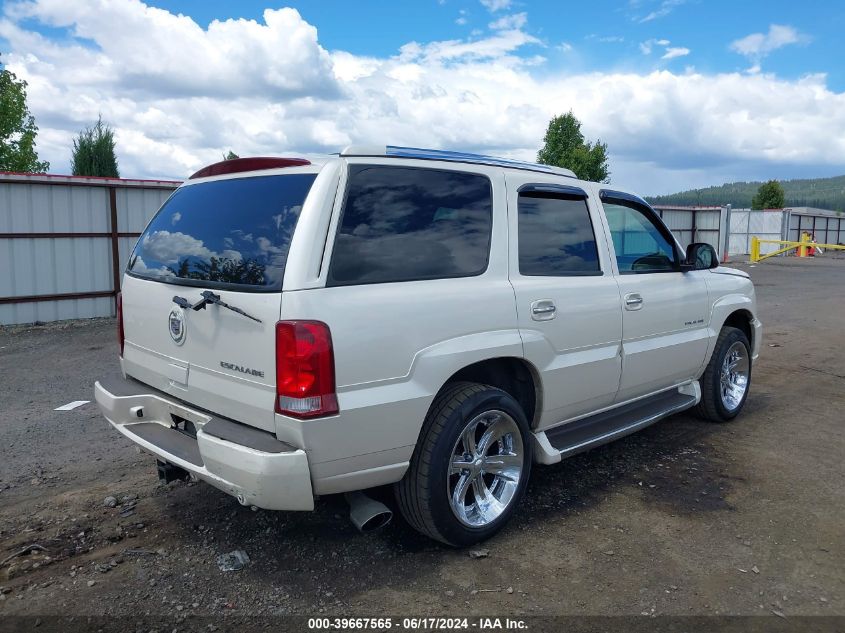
684	518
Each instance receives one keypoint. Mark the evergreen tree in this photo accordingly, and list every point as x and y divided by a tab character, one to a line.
93	152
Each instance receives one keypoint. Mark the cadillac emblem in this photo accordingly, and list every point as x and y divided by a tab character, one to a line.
176	325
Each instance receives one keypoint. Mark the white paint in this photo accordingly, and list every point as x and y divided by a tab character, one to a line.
70	406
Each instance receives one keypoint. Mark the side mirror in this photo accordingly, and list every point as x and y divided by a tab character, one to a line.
701	256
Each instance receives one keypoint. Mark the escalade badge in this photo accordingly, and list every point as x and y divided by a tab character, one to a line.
176	325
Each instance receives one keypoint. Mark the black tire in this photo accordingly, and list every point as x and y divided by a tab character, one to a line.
423	496
711	407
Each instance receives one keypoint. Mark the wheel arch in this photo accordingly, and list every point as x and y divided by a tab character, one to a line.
735	310
515	376
741	319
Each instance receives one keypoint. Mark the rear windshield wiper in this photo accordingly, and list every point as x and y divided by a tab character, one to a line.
210	297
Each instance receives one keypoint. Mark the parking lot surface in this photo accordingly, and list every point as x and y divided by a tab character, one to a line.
684	518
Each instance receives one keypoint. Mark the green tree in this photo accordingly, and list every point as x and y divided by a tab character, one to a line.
17	128
564	146
770	195
93	152
230	156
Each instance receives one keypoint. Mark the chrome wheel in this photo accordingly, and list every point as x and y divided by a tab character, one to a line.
485	469
733	378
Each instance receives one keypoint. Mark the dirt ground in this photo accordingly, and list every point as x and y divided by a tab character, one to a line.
684	518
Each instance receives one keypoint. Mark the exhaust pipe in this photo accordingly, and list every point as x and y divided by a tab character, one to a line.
366	513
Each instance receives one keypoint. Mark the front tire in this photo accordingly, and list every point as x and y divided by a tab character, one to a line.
727	379
470	468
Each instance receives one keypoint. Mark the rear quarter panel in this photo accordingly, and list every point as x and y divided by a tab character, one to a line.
395	344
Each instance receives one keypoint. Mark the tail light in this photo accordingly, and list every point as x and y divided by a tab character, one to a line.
305	386
120	336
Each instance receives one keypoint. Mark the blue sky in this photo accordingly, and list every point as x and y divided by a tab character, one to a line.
607	33
685	92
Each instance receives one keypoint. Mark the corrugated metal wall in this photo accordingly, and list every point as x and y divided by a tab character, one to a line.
825	229
696	224
745	223
57	238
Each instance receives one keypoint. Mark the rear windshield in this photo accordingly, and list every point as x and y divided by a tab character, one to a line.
231	234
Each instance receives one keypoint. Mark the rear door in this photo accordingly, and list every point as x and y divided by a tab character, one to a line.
665	311
229	236
567	298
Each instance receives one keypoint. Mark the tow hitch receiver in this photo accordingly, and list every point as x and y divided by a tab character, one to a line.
168	472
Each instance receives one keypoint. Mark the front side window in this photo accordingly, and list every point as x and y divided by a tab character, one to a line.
641	247
231	234
407	223
556	236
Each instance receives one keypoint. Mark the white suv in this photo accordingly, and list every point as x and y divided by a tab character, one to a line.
434	320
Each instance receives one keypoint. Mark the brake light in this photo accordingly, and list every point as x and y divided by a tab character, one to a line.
120	336
305	385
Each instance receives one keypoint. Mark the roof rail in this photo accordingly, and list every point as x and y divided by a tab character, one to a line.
457	157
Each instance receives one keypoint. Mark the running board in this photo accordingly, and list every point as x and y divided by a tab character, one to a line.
575	437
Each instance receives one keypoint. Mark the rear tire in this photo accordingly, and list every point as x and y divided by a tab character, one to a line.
727	379
470	467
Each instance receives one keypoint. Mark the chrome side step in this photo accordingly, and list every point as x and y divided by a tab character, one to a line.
575	437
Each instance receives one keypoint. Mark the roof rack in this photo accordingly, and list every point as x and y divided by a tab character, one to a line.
394	151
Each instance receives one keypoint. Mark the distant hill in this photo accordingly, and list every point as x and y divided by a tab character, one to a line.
824	193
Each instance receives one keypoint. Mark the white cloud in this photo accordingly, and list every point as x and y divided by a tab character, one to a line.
469	94
167	247
144	50
758	45
666	7
647	46
506	22
669	52
496	5
140	266
496	47
675	51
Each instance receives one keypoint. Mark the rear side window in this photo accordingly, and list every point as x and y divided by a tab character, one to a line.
405	223
556	236
230	234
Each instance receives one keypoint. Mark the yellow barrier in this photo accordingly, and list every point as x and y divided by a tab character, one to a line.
803	247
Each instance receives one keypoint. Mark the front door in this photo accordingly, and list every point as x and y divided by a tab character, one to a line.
567	298
665	313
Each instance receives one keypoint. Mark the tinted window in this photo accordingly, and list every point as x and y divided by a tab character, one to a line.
639	244
556	236
403	223
226	233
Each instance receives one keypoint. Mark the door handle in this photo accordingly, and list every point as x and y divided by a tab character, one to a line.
633	301
543	310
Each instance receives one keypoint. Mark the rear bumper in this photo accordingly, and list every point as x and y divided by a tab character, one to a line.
247	463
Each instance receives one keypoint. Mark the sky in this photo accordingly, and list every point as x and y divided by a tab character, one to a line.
686	93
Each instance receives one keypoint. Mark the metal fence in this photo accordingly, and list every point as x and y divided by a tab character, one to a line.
64	242
696	224
824	229
745	223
